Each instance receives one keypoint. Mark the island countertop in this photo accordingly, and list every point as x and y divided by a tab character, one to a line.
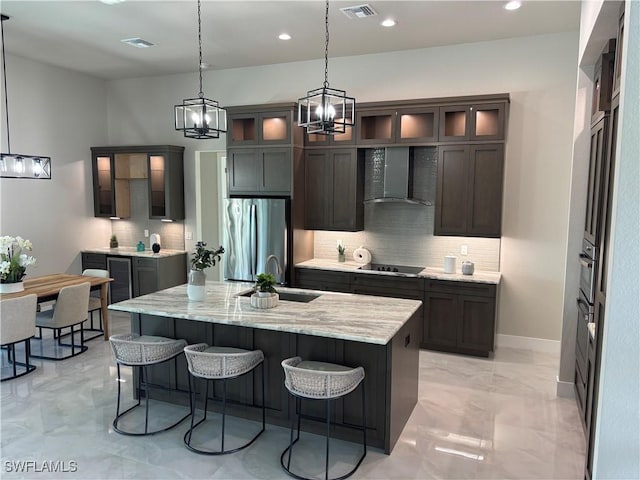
361	318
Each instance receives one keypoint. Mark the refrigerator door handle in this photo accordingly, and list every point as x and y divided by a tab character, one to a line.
254	240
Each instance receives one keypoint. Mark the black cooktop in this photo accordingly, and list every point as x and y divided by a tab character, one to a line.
379	267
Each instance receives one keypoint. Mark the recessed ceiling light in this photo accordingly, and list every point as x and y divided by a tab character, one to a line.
111	2
137	42
284	36
513	5
205	65
389	22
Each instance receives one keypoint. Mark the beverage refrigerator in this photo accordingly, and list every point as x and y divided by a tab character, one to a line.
255	229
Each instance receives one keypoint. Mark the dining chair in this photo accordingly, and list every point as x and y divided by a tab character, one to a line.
95	304
71	309
18	324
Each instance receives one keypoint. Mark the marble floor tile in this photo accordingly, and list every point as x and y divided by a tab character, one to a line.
476	418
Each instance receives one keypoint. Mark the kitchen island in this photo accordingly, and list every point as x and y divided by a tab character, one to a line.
380	334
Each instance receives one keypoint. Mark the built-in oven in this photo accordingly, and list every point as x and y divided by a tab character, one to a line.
588	262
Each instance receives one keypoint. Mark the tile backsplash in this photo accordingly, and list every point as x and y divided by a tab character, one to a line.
131	230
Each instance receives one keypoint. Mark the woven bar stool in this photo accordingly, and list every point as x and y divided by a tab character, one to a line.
219	363
321	381
141	351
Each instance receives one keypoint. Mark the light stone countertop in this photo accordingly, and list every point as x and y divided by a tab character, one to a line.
132	252
429	272
360	318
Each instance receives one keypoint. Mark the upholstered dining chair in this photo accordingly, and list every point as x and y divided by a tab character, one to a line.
95	304
18	324
70	310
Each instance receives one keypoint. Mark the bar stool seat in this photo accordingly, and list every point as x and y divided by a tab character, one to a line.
219	363
321	381
142	351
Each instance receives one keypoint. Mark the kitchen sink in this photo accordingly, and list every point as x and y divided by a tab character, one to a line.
302	297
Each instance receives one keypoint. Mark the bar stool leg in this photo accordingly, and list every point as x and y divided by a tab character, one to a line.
326	457
224	409
146	400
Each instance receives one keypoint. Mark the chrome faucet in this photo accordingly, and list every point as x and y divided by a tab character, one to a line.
273	257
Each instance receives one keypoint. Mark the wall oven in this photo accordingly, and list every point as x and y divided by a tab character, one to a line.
588	262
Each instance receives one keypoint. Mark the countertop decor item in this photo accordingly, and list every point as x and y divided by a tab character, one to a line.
19	165
140	246
201	258
13	263
362	255
467	268
265	295
155	248
154	238
341	250
200	117
450	264
113	242
325	110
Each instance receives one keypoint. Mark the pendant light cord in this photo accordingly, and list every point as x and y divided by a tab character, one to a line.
4	76
326	46
200	94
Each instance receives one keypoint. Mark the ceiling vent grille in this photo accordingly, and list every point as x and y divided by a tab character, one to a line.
359	11
137	42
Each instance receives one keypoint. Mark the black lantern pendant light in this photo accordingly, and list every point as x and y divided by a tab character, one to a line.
325	110
200	117
19	165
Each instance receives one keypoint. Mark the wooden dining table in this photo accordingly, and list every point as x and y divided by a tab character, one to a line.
47	288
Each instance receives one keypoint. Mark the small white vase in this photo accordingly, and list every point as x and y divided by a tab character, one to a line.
11	287
196	285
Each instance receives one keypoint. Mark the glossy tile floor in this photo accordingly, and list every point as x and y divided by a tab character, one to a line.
476	419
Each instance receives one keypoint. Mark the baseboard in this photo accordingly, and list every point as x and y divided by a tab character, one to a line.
564	389
528	343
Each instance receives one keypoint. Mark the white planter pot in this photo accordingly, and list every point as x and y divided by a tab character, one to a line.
264	301
11	287
196	286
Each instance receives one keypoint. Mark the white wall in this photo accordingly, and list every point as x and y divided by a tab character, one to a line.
61	114
538	72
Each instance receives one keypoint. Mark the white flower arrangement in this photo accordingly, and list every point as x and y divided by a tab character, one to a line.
13	260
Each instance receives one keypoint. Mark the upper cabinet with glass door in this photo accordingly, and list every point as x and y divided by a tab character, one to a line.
398	125
472	122
257	125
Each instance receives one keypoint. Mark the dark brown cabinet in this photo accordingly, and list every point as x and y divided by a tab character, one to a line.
595	188
338	140
397	125
327	280
257	127
160	165
603	82
459	317
333	190
264	171
469	190
472	122
387	286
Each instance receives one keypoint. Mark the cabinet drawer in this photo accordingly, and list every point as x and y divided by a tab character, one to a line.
387	286
461	288
146	262
323	280
94	260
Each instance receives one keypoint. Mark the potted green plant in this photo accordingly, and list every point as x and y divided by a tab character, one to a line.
201	258
265	284
341	250
113	242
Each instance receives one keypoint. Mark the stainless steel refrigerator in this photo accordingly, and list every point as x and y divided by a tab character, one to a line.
254	229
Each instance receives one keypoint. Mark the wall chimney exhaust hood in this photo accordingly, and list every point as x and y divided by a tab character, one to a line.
394	179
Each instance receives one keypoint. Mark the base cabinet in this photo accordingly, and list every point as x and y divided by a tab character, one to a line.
139	275
459	317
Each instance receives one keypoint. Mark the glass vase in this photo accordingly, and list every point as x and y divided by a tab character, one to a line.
196	285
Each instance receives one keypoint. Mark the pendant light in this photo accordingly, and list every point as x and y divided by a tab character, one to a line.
325	110
19	165
200	117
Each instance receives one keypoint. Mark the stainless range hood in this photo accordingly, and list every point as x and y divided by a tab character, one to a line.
394	181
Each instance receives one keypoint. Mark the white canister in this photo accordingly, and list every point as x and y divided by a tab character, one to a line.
450	264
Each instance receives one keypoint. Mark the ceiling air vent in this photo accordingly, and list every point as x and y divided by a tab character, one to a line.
137	42
359	11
